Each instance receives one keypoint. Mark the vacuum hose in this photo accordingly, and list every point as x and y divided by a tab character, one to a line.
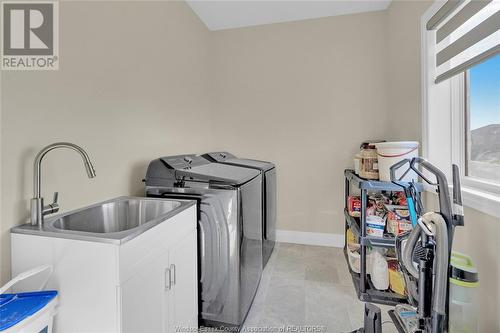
409	246
436	225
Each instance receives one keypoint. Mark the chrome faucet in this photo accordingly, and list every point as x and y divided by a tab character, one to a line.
38	210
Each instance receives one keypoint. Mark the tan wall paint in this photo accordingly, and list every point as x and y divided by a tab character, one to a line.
304	95
301	77
404	69
132	86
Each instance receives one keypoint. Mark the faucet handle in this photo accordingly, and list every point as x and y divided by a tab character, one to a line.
53	207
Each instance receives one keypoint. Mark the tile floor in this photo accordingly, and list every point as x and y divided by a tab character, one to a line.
307	285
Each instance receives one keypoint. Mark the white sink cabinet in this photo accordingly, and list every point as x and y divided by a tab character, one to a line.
146	284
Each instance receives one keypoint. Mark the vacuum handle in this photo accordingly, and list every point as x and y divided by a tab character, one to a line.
441	183
457	190
397	166
416	161
458	209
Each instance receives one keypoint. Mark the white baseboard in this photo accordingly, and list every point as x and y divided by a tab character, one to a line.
310	238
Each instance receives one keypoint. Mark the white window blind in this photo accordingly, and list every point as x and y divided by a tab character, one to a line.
466	33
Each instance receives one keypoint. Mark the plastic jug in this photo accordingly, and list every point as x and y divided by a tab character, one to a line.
379	270
463	295
368	162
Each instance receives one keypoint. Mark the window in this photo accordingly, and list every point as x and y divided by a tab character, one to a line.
461	115
482	121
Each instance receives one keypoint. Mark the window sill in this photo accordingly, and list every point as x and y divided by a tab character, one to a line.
484	202
481	201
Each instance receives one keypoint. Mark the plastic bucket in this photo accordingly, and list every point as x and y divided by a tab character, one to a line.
390	153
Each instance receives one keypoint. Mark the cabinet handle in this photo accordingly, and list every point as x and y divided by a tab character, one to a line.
174	276
168	279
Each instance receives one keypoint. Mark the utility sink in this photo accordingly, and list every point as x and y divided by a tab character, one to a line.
116	220
115	216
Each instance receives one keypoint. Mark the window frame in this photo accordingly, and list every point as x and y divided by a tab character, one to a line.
444	125
474	182
460	111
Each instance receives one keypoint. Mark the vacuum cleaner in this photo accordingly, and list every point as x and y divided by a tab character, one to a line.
424	253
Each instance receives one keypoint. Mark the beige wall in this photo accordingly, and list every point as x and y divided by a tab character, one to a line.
304	95
404	69
322	86
132	86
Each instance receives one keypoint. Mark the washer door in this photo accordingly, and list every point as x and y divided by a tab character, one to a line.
214	255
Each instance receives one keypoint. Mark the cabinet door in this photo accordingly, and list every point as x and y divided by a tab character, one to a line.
183	297
144	298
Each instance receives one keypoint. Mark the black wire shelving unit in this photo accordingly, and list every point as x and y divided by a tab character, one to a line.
364	288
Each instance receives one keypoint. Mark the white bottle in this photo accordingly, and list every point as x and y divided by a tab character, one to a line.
379	271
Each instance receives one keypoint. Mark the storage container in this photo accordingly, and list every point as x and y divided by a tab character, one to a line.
27	312
379	270
355	260
354	206
357	163
463	295
390	153
369	162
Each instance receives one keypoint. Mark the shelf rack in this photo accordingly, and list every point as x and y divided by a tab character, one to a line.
364	288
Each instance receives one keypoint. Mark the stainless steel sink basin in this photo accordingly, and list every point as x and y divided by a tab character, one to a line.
115	216
116	220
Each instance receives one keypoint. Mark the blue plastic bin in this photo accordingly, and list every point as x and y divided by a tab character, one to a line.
27	312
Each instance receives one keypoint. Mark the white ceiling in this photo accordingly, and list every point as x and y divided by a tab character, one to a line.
218	15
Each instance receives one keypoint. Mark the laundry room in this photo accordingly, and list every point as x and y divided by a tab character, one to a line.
261	166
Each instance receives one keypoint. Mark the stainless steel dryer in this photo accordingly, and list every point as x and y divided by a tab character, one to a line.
268	171
229	230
